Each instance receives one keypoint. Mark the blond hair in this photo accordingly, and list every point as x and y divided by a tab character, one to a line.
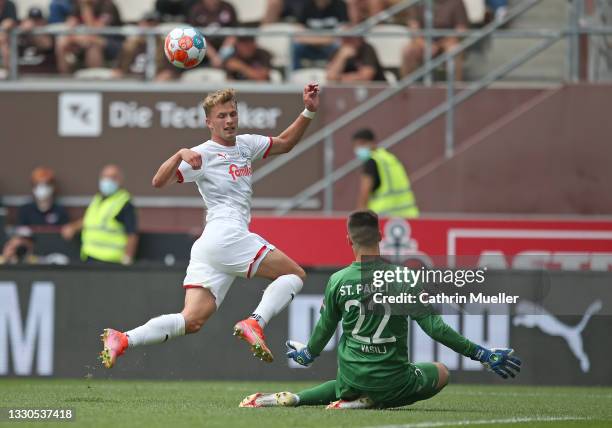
221	96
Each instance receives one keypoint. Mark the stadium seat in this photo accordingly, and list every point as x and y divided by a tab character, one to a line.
23	6
307	75
390	77
249	10
389	48
133	11
94	74
200	75
276	76
278	46
475	10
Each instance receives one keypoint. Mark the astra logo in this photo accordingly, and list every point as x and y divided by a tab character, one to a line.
242	171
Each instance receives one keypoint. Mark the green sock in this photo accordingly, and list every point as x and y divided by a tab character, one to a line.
317	395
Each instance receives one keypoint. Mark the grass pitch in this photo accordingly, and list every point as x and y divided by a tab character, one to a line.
116	403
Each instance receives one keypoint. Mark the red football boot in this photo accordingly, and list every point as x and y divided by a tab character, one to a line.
115	344
250	331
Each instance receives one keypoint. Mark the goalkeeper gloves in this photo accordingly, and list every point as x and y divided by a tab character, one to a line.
499	360
299	353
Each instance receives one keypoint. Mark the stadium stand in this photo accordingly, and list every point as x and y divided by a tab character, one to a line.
200	75
278	46
387	47
249	11
132	11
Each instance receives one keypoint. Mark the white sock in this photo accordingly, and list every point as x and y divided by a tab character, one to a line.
277	297
157	330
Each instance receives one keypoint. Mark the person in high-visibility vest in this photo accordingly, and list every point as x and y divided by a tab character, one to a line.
109	226
385	187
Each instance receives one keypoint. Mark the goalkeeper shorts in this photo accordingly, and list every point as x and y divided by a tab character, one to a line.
420	385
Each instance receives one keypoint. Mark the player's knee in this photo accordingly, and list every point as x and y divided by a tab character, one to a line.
193	325
300	273
295	283
194	322
443	375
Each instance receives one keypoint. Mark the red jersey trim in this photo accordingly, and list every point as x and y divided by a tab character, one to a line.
267	152
186	286
179	176
257	256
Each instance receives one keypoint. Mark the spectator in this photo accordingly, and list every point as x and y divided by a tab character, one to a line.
282	10
447	14
109	227
133	56
354	61
248	62
384	187
90	13
360	10
8	21
499	8
29	45
43	210
174	8
215	13
318	15
60	10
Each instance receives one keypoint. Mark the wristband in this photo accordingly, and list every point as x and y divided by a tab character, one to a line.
309	114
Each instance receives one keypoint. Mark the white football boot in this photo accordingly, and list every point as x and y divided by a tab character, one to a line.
279	399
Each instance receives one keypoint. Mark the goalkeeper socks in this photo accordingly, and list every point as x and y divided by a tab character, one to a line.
320	394
277	297
157	330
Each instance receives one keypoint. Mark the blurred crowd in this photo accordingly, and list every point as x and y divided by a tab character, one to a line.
107	231
350	59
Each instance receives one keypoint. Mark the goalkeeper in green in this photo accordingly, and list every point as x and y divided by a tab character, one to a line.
373	365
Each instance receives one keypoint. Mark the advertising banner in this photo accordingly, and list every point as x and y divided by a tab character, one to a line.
51	319
491	242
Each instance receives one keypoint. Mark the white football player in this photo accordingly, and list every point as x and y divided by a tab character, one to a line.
222	168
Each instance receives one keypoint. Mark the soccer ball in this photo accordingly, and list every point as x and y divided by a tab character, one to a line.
185	47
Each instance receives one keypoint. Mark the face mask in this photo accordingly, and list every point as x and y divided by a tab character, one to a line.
42	191
108	186
363	153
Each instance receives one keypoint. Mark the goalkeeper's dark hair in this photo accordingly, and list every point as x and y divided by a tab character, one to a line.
363	228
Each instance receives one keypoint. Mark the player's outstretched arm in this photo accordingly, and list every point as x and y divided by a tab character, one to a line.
167	171
498	360
287	140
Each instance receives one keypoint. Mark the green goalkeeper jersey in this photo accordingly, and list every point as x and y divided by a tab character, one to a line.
373	349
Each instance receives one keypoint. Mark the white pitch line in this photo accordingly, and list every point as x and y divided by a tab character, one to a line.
530	394
483	422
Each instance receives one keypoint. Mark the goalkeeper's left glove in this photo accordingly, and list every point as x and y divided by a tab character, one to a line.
299	353
499	360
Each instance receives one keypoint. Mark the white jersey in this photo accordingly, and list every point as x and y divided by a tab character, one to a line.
224	181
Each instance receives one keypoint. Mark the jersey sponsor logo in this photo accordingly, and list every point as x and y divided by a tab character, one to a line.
242	171
531	315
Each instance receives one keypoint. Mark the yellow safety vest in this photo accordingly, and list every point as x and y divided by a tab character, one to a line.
394	197
103	237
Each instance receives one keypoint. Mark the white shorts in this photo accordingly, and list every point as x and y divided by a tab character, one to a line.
225	250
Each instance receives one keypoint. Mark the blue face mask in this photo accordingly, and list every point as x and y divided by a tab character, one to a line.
363	153
108	186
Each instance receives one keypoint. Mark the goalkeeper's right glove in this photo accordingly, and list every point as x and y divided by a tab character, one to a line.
499	360
299	353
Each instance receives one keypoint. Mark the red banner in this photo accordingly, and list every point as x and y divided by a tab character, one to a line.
499	243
